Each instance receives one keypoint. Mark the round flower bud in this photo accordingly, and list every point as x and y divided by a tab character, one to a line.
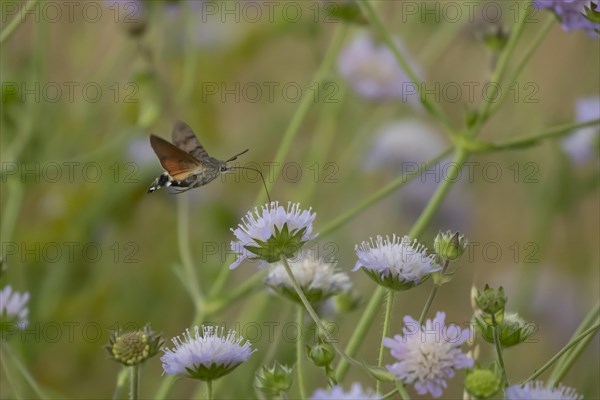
512	329
321	354
133	348
449	246
491	302
482	383
275	380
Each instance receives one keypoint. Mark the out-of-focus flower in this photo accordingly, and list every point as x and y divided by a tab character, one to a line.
338	393
13	307
318	279
582	145
133	348
399	263
206	356
428	355
132	14
372	70
537	391
575	14
482	383
272	233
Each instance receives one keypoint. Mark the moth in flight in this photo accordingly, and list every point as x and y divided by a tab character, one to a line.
187	164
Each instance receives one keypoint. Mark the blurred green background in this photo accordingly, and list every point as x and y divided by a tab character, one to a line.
125	243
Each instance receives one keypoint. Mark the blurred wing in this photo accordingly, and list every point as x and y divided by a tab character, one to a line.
176	162
186	140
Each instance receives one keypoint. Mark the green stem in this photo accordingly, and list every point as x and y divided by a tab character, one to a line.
431	297
532	140
379	195
498	347
183	240
121	381
14	23
300	352
559	370
366	320
23	370
386	327
209	389
592	330
134	392
301	111
376	22
243	289
10	214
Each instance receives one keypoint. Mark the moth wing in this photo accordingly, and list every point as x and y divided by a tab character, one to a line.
184	138
175	161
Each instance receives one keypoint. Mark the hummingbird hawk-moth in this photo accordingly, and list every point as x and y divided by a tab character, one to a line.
187	164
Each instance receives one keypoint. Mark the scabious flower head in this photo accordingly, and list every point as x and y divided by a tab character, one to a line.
428	355
318	279
272	233
13	307
397	264
372	70
575	14
131	348
338	393
582	145
206	356
537	391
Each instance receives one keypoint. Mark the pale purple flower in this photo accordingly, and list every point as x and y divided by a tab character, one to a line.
13	307
399	262
338	393
261	225
572	14
428	355
581	145
372	70
206	356
537	391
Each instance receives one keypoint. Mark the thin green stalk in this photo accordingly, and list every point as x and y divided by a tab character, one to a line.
498	74
366	320
8	372
379	195
498	347
16	21
240	291
121	381
376	22
11	211
134	392
592	330
23	370
386	328
301	111
431	297
558	372
209	389
183	241
300	351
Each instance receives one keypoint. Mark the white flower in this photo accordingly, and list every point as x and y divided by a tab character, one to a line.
428	355
537	391
262	226
337	393
318	279
13	306
397	263
372	70
582	144
207	356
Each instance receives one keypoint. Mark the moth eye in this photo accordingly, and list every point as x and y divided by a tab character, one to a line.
223	169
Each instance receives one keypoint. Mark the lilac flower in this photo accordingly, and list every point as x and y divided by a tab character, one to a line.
337	393
207	356
373	71
399	263
537	391
13	307
428	355
266	225
581	145
572	14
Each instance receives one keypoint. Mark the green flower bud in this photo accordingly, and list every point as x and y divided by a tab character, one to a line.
321	354
282	244
347	301
482	383
135	347
496	38
491	302
449	246
275	380
345	10
512	329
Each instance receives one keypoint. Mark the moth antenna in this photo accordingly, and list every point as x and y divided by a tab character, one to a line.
237	155
262	177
